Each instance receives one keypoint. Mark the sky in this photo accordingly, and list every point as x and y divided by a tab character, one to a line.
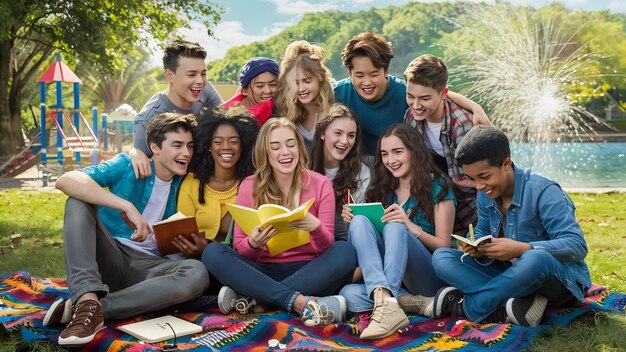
246	21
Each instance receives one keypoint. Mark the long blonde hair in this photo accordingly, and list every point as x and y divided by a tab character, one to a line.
310	58
266	188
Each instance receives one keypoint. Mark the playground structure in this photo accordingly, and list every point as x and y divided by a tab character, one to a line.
64	136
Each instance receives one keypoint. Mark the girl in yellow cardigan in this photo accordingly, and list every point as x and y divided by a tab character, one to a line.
222	158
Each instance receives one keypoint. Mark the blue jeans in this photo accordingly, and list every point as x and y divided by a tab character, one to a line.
279	284
388	261
489	285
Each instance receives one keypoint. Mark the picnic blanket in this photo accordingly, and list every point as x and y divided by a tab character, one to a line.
24	300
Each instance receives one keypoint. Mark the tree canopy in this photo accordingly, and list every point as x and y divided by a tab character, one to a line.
99	33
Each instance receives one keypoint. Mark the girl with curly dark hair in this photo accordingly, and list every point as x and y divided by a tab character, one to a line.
222	158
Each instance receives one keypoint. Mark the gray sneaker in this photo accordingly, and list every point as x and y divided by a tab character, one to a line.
320	311
229	300
526	311
60	312
417	304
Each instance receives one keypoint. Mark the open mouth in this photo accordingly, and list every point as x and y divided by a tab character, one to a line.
341	148
368	90
395	167
285	161
195	91
227	156
181	162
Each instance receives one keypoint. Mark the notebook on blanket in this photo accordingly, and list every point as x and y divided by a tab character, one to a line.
160	329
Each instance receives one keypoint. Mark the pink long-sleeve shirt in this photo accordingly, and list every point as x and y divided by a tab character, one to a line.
314	186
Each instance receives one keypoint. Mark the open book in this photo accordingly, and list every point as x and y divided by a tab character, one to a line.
279	217
166	230
476	242
160	329
373	211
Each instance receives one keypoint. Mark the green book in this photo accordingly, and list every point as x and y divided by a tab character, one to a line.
373	211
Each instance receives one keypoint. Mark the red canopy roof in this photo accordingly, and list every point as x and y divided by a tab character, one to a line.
59	72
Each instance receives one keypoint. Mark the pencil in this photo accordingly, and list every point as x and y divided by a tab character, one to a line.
471	231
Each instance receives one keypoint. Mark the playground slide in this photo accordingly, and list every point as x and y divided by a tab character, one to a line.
24	160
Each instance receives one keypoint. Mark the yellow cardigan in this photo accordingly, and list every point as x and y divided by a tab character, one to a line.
209	214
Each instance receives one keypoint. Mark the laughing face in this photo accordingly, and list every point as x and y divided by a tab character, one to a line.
172	157
185	85
425	102
225	147
339	138
308	86
260	89
494	181
370	82
283	151
395	157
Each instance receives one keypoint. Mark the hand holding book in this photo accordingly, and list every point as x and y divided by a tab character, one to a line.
259	236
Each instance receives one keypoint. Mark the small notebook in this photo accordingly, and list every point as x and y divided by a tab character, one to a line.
166	230
373	211
155	330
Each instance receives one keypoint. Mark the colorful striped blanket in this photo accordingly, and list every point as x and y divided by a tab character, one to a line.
25	299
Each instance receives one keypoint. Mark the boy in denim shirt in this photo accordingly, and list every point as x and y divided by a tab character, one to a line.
536	256
115	270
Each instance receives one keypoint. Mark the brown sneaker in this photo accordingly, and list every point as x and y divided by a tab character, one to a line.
60	312
386	319
88	318
417	304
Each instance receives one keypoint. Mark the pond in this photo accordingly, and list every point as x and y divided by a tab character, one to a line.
575	164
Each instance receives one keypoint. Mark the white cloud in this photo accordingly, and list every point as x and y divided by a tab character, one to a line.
227	34
300	7
617	6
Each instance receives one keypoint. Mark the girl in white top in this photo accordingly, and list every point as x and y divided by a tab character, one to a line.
337	154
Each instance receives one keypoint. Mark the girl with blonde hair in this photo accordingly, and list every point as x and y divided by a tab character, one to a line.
300	279
305	91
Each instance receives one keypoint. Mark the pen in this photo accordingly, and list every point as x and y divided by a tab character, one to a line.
471	231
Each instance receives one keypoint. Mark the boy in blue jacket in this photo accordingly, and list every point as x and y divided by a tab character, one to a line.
536	256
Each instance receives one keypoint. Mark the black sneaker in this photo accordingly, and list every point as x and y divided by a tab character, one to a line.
448	303
526	311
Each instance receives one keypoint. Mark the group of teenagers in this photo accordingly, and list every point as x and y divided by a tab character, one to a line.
291	134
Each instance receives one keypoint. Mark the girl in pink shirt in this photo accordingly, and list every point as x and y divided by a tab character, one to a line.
293	278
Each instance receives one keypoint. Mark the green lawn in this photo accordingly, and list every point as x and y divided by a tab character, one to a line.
38	217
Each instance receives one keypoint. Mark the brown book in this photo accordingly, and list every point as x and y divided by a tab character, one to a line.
166	230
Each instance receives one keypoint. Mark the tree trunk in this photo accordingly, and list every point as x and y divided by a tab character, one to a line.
11	138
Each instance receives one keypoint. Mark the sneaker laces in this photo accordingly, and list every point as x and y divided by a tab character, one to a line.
377	313
316	314
84	316
242	305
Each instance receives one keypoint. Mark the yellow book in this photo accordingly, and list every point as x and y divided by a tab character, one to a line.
279	217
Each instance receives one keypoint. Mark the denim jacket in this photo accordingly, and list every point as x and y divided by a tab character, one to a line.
541	214
117	174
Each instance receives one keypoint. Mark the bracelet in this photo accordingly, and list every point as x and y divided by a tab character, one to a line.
419	231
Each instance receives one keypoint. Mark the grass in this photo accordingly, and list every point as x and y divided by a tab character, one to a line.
38	217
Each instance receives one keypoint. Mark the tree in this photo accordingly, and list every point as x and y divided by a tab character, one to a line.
93	31
132	85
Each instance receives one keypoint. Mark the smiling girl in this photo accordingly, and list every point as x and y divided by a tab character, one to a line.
258	82
337	154
290	279
305	92
222	159
419	216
